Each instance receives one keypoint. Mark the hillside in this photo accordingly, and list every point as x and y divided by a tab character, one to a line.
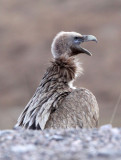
27	28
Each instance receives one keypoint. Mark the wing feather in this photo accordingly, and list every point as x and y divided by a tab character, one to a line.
79	110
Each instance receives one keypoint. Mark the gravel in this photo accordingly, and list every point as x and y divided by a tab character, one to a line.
71	144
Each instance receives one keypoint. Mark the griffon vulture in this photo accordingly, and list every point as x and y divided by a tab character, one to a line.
56	103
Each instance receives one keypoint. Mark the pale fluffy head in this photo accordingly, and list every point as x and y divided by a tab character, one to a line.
69	44
62	42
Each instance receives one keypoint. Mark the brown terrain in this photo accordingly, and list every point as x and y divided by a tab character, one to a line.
27	28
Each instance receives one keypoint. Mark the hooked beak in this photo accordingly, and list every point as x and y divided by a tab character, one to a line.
86	38
77	49
89	38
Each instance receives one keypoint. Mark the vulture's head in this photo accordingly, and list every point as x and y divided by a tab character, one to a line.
69	44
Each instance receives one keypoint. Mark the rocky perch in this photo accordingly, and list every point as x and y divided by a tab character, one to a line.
72	144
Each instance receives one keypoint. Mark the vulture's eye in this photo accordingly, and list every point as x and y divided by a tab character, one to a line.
77	40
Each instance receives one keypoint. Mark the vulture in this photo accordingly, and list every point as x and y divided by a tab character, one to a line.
56	103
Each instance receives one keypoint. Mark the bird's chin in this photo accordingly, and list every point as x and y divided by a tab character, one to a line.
79	50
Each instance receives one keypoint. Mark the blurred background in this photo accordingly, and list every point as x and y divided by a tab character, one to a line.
27	28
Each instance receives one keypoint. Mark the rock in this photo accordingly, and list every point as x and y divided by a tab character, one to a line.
22	149
71	144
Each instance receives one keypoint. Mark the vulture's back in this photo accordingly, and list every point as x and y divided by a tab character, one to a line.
78	110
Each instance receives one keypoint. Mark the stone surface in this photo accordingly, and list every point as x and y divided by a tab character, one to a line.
71	144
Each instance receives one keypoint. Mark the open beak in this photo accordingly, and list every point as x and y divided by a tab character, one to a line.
77	49
86	38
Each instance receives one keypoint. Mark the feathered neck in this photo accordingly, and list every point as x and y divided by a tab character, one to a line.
61	74
68	67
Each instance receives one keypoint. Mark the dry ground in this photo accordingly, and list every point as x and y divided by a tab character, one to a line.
72	144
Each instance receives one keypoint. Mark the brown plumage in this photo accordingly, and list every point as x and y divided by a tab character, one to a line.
56	103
